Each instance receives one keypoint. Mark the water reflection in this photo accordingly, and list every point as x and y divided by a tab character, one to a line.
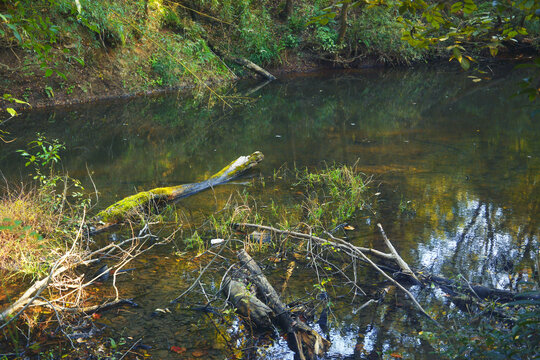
458	163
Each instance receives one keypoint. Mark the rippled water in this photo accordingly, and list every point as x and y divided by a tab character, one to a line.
456	163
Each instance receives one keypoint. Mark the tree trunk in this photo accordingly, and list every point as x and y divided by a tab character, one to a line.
289	5
343	23
155	199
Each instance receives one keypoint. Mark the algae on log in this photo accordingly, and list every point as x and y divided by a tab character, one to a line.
155	198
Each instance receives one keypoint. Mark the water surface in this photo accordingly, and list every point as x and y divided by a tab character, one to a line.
456	163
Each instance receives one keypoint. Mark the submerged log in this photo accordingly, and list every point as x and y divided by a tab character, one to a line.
302	339
247	304
156	198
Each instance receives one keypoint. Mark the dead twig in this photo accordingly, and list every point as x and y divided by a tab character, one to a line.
402	264
352	250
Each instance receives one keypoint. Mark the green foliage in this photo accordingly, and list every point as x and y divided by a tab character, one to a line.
12	112
194	242
378	32
31	25
110	20
326	38
335	195
291	41
43	154
259	42
38	224
49	91
297	23
517	337
483	25
171	20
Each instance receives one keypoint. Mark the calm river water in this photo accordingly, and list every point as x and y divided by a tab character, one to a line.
456	163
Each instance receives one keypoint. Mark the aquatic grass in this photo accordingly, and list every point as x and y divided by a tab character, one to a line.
335	194
195	242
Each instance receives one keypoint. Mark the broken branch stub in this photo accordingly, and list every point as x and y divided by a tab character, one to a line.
156	198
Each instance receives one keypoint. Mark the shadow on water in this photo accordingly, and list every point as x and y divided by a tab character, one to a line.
458	165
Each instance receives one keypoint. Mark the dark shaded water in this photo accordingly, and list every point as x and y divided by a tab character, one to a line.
458	165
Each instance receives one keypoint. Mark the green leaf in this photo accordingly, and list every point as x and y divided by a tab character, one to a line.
465	64
457	54
456	7
48	72
61	74
11	111
79	60
20	102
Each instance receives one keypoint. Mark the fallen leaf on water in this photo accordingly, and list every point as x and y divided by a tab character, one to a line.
349	227
178	349
198	353
396	355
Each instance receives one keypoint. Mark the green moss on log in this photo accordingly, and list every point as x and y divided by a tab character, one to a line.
134	204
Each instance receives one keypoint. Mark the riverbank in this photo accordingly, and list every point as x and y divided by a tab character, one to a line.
71	52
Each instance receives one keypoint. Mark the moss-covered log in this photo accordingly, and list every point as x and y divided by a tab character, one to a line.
156	198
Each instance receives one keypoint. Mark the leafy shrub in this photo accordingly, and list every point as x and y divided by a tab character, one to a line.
38	225
259	43
515	337
377	31
326	38
291	41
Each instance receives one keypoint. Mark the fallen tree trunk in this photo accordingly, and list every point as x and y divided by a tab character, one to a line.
302	339
254	67
155	199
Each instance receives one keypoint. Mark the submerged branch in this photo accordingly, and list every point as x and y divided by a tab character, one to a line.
353	250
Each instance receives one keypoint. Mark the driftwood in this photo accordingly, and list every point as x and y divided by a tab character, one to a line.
354	251
387	264
264	303
157	198
127	250
254	67
247	304
240	61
